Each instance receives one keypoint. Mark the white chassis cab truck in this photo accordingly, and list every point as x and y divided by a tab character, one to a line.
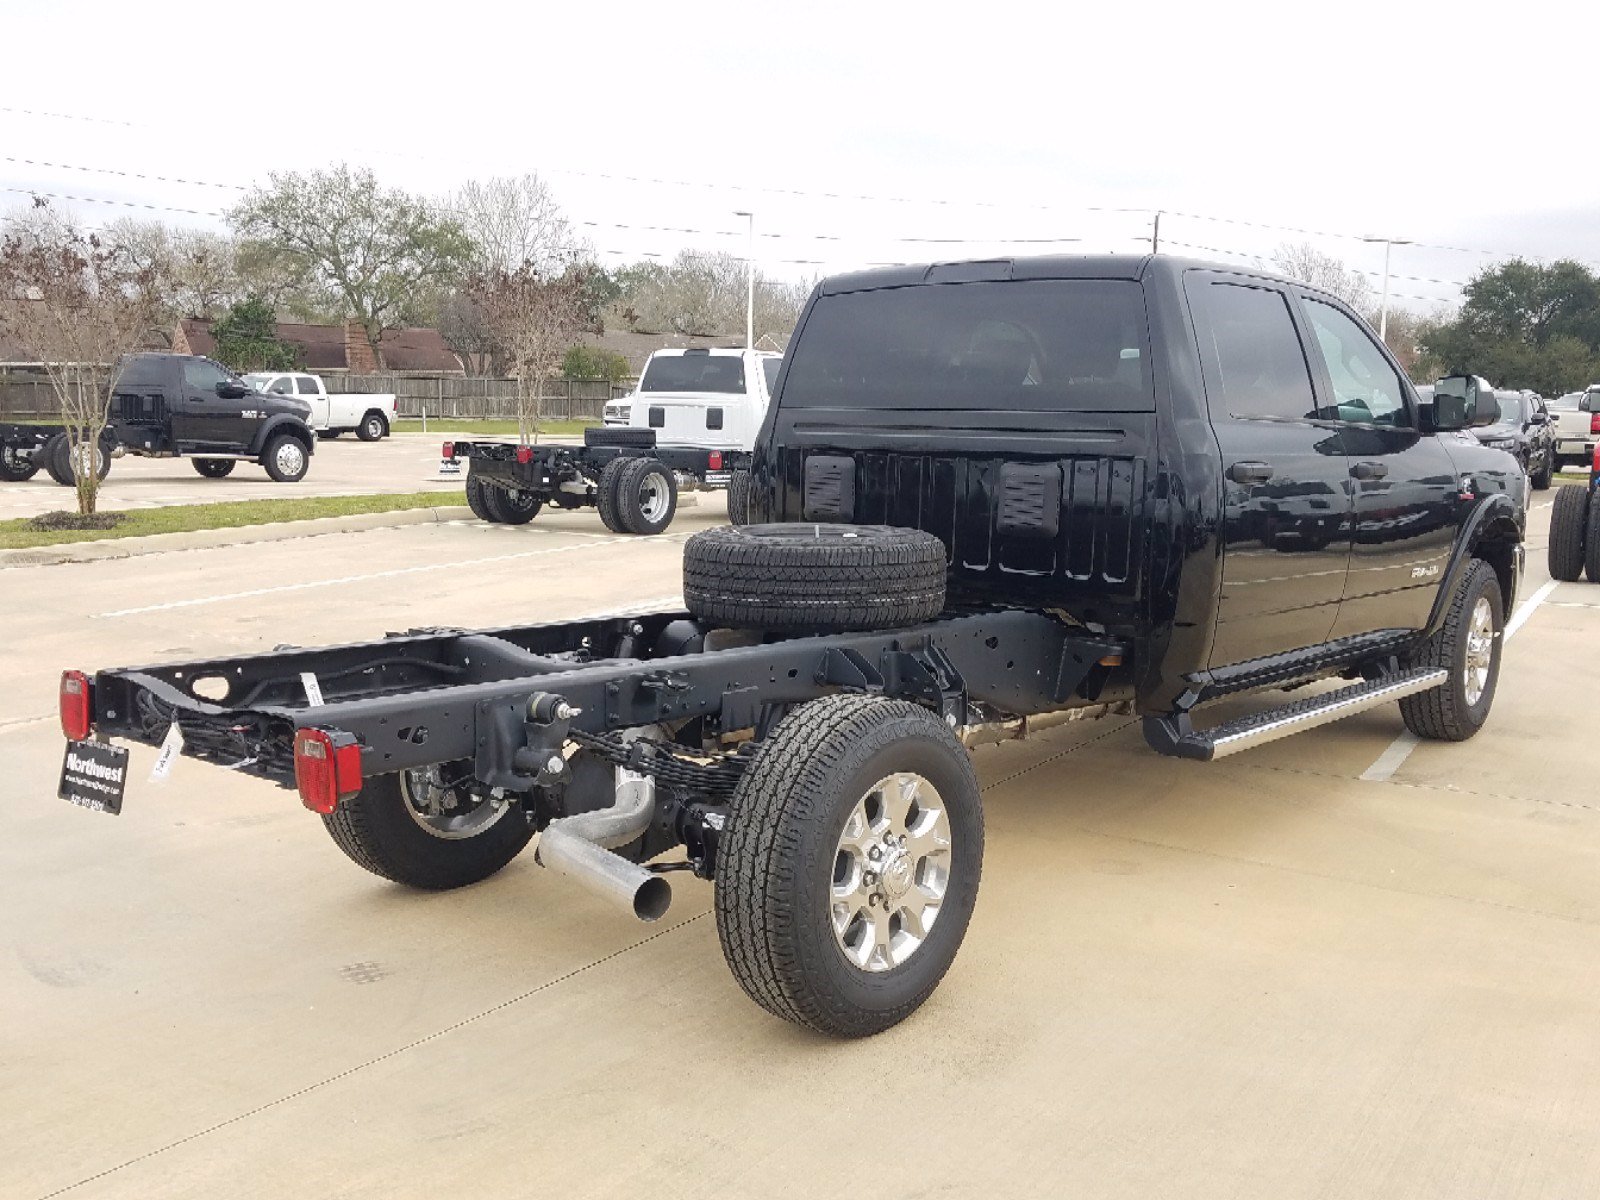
369	417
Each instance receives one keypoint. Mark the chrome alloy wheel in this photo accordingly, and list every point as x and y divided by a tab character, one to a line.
443	810
890	872
655	491
291	457
1480	650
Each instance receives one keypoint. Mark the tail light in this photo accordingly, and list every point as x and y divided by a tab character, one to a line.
327	768
1594	422
714	460
524	454
448	450
77	705
1595	466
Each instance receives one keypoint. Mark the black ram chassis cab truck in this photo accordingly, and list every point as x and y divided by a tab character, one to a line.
991	497
172	405
622	472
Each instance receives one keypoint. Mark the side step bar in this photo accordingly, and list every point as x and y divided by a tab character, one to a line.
1176	737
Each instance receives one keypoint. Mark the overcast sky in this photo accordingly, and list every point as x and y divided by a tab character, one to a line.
1001	124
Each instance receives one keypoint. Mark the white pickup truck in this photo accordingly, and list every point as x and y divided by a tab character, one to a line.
1577	419
711	398
369	417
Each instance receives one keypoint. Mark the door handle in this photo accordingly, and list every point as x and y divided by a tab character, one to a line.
1250	472
1369	470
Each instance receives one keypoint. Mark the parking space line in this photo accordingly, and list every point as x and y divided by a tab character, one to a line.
1393	758
450	565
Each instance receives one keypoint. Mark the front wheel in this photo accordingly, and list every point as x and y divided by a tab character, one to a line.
1569	524
511	506
739	498
1468	647
424	829
849	867
214	468
286	459
372	427
1539	479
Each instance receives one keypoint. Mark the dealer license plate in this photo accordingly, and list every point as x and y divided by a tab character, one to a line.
93	775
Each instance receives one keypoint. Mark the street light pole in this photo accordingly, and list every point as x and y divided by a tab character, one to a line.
1383	307
750	279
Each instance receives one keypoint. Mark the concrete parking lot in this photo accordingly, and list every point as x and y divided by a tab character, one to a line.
405	462
1342	965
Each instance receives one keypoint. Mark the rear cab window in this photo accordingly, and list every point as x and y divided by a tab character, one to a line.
1027	345
723	373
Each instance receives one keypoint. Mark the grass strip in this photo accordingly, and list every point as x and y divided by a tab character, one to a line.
464	425
186	518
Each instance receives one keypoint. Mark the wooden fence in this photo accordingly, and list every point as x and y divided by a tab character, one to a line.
26	395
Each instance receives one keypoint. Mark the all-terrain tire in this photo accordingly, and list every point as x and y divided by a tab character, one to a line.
1539	480
478	500
213	468
620	435
778	856
16	467
608	494
511	507
814	577
373	426
739	498
647	497
378	834
1445	713
281	465
1569	525
1591	544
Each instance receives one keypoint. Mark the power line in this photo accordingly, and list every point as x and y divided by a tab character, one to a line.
193	212
124	174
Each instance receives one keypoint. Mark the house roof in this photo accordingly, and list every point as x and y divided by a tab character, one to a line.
322	347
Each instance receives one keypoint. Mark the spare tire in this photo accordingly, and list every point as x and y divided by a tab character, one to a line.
813	577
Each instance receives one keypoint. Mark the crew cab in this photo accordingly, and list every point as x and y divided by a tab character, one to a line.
368	416
992	497
170	406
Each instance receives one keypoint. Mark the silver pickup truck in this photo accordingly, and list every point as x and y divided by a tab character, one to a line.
1577	416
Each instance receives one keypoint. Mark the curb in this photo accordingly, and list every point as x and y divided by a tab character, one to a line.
241	535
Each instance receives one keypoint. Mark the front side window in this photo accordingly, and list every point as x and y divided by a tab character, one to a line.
1251	352
203	375
1077	345
1366	389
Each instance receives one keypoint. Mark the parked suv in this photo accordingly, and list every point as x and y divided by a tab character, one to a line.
1524	430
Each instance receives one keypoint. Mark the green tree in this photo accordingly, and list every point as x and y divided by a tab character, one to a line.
378	252
591	362
247	338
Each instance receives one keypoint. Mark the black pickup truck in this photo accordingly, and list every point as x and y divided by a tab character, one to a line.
992	496
171	405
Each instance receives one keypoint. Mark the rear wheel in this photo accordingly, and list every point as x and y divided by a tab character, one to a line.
286	459
372	427
608	494
739	498
849	867
478	500
1468	647
422	829
510	506
647	497
16	467
214	468
1569	523
53	455
1591	544
71	461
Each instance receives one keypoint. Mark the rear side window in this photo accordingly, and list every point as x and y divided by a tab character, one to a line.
1251	353
1048	344
308	385
770	368
694	373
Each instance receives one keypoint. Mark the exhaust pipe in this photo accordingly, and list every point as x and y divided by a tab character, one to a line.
580	847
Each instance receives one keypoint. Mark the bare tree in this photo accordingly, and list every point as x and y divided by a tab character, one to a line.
1304	262
76	304
515	222
196	272
533	317
705	294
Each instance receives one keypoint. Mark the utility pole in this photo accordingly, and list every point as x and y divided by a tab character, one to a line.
1155	235
1383	306
750	279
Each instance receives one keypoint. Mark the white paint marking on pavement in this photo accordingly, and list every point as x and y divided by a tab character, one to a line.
451	565
1392	759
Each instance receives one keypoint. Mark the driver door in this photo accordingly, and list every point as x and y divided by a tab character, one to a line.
202	417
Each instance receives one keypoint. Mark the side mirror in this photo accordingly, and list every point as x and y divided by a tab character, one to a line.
1538	418
1455	402
232	391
